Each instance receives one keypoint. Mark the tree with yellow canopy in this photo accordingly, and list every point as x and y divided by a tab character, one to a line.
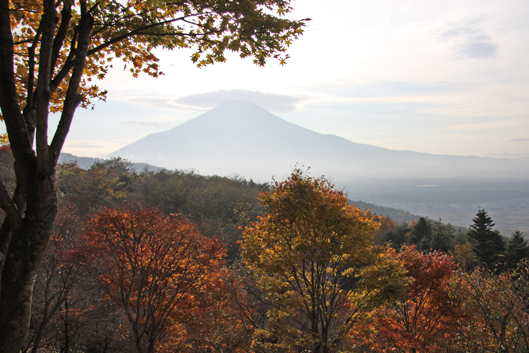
313	256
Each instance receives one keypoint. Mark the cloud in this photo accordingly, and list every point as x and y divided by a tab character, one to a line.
354	89
469	41
88	144
203	101
163	103
518	140
477	49
148	123
269	101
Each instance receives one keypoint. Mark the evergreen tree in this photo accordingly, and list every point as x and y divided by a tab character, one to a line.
488	243
421	234
398	235
517	249
443	237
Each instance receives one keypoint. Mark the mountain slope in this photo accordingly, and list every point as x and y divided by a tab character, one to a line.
240	137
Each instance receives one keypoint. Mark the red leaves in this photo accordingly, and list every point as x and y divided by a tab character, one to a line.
427	318
152	266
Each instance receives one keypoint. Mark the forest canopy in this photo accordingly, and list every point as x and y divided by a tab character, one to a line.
110	209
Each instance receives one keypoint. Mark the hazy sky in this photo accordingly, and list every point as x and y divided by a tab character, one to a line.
440	76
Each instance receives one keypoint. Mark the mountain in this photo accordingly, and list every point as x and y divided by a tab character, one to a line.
87	162
240	137
82	162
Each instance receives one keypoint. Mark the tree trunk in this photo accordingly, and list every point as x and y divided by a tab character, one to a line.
26	249
31	212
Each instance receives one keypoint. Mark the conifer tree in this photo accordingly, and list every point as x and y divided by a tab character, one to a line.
443	236
398	236
421	234
488	243
517	249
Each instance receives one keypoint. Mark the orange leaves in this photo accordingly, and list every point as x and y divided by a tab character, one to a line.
152	266
427	318
497	305
131	30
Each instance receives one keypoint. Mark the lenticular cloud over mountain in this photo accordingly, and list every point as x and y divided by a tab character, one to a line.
239	137
270	101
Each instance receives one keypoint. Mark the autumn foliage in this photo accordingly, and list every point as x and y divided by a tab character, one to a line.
426	318
132	279
130	30
156	268
312	256
498	308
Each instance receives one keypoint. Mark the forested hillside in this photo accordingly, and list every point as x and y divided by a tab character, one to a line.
166	261
217	205
398	216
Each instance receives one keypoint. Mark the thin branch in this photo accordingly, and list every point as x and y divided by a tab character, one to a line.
66	16
176	34
73	98
27	41
133	33
69	63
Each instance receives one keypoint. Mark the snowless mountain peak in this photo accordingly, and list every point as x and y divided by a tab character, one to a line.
242	138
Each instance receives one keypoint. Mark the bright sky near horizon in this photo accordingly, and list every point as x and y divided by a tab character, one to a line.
444	77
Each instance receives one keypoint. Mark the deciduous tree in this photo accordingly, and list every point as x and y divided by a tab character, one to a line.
101	185
50	51
313	256
464	256
58	274
426	319
153	267
68	313
387	224
499	310
213	319
218	205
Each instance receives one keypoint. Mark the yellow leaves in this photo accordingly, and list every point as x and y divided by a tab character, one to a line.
4	140
313	250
